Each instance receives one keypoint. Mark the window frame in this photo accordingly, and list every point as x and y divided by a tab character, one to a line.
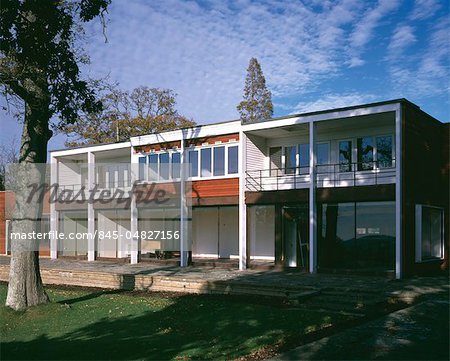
418	234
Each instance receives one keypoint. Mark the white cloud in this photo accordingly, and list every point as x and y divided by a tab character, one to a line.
424	9
402	37
364	29
333	101
428	75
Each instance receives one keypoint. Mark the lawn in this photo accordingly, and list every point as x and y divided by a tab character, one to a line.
89	324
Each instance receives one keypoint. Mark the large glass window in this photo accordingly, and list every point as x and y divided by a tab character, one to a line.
430	235
365	153
176	160
206	162
345	155
193	161
233	157
384	151
303	150
357	235
290	162
219	161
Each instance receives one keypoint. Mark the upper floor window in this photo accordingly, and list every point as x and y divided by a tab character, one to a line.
205	162
219	161
345	155
365	153
233	159
193	162
290	159
384	151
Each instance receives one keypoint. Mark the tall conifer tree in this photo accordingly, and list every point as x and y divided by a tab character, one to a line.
257	102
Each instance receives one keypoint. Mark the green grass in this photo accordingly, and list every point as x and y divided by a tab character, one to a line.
84	324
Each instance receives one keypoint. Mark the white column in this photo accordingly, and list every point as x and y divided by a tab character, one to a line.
90	207
54	215
135	240
242	206
398	193
312	199
184	211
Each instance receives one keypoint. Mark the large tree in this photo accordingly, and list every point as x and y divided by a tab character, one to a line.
39	65
257	102
126	114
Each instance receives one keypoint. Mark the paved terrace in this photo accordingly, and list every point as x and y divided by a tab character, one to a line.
351	293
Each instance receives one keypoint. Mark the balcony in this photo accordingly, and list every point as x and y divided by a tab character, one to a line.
328	175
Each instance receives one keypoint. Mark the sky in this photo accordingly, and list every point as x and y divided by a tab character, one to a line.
315	54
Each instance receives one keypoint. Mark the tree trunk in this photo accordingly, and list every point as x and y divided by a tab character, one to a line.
25	286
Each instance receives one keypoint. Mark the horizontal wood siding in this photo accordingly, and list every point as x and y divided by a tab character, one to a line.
255	149
227	187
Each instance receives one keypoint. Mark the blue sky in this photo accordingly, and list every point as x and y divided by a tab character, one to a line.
315	54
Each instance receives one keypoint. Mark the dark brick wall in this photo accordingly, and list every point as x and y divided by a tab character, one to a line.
425	179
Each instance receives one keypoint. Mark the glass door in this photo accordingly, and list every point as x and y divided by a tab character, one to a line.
296	236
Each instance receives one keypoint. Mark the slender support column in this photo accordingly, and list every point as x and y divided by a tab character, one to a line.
184	211
90	206
134	259
54	215
243	261
312	199
398	194
135	239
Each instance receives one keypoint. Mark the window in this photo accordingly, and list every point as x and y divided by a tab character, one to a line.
193	161
365	153
153	167
205	162
142	162
164	166
303	150
357	235
176	161
219	161
384	151
233	156
345	155
290	163
323	153
275	160
429	233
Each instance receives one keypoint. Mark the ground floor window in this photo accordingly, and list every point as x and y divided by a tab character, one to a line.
429	233
357	235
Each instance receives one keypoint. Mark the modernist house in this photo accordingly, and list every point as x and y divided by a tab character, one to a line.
363	188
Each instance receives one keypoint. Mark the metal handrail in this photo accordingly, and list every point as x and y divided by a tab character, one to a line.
359	171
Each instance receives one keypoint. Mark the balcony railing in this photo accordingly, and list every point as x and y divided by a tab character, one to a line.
327	175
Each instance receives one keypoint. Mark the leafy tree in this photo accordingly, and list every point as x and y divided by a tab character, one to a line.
39	65
257	102
126	114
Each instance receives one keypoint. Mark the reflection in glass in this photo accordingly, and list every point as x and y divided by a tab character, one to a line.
153	167
384	151
233	160
193	161
357	235
290	159
345	155
176	160
205	162
365	153
219	161
303	150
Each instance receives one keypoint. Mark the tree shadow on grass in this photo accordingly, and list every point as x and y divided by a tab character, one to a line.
191	327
